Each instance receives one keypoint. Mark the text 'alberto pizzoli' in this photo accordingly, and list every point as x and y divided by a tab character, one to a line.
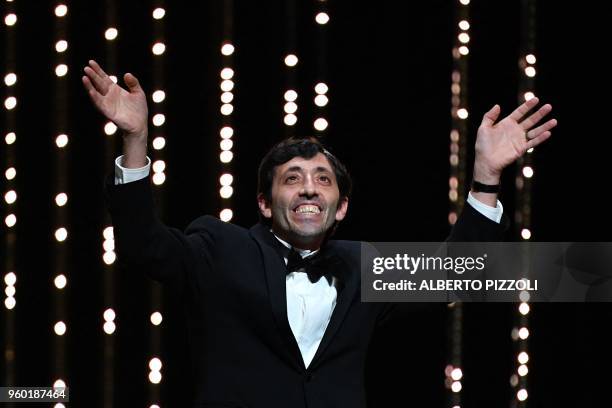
458	285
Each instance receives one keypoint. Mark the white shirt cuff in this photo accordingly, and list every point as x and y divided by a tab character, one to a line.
124	175
492	213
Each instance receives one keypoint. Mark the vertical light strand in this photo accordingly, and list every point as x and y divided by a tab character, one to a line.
457	182
107	311
60	197
158	134
527	73
290	59
520	332
321	98
8	249
227	81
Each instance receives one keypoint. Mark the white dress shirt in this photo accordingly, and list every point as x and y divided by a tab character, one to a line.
309	305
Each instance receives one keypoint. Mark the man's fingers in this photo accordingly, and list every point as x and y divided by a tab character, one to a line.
93	92
96	67
132	83
99	83
537	140
532	134
524	109
491	116
100	78
87	83
533	119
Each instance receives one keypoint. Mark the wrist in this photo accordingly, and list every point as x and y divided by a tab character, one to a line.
137	136
485	175
134	161
478	187
135	150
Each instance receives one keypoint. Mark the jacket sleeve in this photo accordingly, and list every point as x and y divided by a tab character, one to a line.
143	242
472	226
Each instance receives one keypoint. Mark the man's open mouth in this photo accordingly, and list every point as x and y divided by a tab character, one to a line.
307	209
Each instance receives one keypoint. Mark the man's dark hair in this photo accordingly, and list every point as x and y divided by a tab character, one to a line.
299	147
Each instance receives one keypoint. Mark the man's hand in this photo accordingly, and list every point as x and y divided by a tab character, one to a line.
126	108
500	144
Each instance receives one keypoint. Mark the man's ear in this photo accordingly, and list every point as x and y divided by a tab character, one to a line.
264	207
342	208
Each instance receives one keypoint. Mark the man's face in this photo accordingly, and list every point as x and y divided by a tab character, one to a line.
305	201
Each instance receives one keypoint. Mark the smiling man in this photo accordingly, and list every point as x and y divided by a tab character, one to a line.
274	311
303	192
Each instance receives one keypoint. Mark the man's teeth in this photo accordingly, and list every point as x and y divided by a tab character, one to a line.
307	209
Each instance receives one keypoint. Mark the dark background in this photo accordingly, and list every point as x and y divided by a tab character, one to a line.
389	66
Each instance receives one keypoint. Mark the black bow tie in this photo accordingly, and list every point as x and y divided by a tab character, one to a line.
315	266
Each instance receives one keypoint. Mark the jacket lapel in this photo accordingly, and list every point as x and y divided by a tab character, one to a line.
275	272
343	303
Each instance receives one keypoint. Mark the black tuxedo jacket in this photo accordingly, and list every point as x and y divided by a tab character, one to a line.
232	281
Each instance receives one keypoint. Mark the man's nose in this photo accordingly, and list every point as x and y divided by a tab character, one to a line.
309	187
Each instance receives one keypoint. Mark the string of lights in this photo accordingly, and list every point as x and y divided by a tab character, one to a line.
290	96
227	108
60	199
10	195
457	180
158	96
520	332
321	98
111	34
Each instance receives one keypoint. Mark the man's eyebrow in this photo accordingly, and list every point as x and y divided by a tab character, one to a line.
321	169
298	168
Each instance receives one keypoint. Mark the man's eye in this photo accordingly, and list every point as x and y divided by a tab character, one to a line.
325	179
291	178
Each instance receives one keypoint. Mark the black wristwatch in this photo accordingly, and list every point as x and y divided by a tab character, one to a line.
485	188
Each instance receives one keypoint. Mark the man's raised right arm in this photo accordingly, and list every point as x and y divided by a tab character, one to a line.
142	241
